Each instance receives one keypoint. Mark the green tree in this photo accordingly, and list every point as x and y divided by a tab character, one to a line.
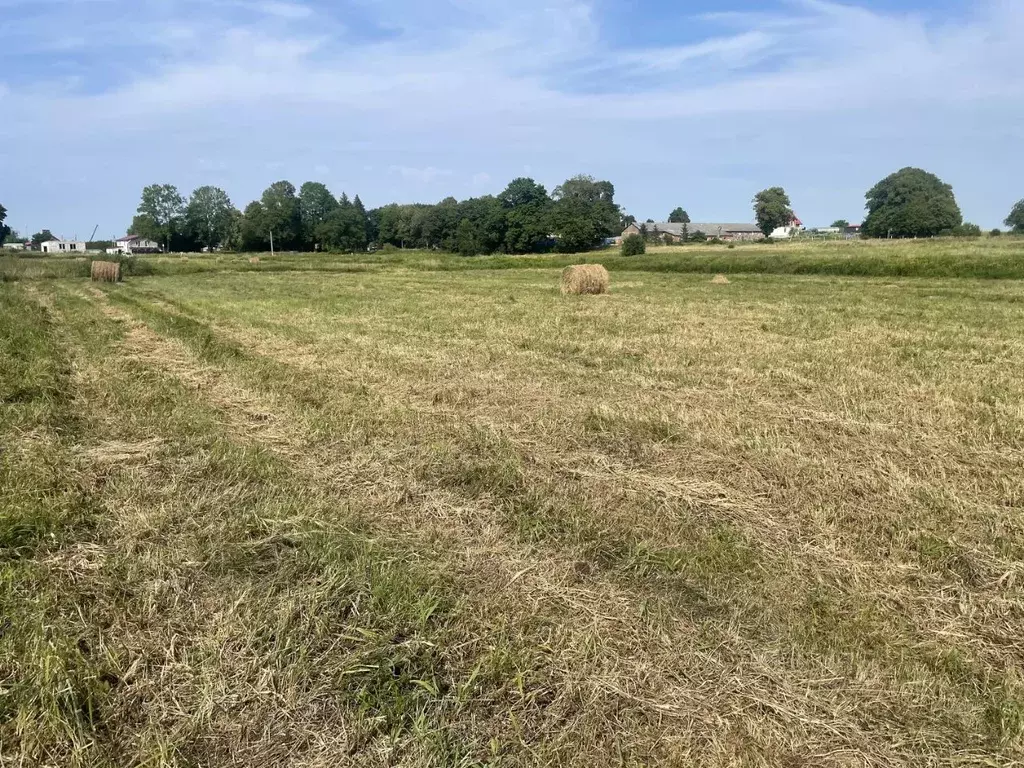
4	229
388	221
344	229
233	239
253	232
526	205
41	237
316	204
209	216
487	217
1015	220
911	203
584	213
967	230
996	232
371	233
679	216
466	239
634	245
441	223
772	209
840	224
160	214
281	215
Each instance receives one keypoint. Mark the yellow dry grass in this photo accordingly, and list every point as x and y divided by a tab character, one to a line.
106	271
345	522
585	279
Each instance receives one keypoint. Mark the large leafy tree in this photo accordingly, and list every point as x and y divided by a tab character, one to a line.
1016	218
487	218
679	216
772	209
371	232
388	223
441	223
344	228
160	214
584	212
316	204
282	216
526	205
840	224
209	216
911	203
253	232
4	229
41	237
465	238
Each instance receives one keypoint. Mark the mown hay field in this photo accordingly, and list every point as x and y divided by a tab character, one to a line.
412	517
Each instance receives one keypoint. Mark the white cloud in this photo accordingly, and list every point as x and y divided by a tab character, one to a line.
772	97
285	10
421	175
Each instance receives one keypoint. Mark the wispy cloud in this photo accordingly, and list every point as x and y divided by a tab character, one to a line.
751	98
421	175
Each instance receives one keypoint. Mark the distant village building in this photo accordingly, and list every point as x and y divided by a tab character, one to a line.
793	229
675	232
129	245
14	246
62	246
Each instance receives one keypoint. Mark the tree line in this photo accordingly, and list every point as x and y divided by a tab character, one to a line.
577	216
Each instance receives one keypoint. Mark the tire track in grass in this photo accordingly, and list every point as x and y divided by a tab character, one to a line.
531	578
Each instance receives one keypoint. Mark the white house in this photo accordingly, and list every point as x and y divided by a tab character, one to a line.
132	244
793	229
14	246
63	246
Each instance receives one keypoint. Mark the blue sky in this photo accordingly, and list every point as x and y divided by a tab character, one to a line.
698	104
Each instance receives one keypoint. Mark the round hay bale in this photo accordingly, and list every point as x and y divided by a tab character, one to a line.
585	279
105	271
721	280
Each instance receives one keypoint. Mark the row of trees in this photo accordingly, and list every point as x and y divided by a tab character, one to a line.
524	218
908	203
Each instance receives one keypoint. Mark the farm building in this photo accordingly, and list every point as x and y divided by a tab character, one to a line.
14	246
132	244
723	231
793	229
62	246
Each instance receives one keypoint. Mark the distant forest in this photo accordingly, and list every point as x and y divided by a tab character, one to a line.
577	216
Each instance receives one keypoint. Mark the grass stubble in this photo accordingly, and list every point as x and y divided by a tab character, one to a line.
259	519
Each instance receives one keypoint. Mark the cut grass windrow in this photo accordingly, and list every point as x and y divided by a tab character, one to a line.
418	519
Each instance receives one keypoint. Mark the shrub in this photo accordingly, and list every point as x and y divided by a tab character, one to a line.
731	246
634	245
132	266
967	230
997	232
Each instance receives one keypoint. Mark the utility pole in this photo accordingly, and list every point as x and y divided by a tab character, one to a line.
271	242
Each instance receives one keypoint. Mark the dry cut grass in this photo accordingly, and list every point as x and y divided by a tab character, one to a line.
433	519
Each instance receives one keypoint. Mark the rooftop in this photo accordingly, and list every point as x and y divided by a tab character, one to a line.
708	228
